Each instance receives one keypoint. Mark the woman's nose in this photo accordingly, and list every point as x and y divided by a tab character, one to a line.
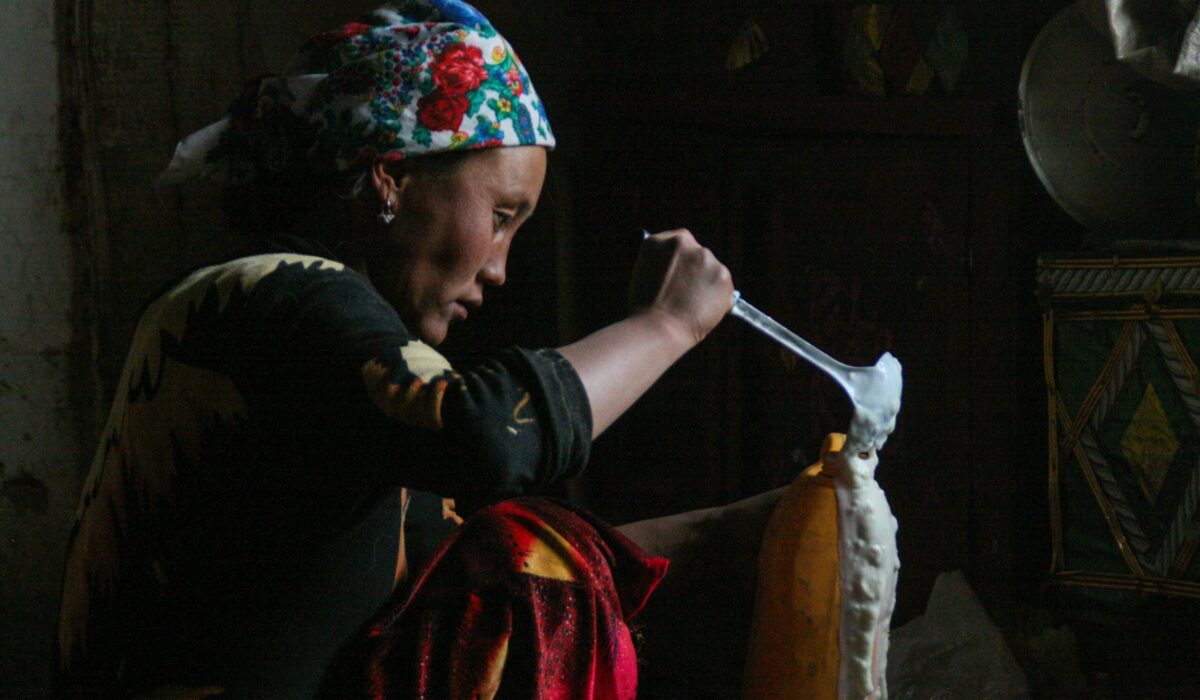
494	272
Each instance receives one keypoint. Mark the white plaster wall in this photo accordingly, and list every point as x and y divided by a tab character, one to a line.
38	470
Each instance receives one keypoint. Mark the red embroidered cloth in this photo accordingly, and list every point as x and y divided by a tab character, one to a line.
529	598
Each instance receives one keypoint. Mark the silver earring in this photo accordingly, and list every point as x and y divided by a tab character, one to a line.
386	215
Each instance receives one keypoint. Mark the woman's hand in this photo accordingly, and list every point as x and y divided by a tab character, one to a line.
676	276
679	293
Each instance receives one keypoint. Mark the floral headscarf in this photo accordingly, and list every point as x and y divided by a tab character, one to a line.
411	78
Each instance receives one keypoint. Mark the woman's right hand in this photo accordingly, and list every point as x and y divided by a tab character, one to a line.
683	281
679	292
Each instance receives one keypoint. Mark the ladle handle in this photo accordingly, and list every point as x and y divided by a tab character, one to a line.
780	334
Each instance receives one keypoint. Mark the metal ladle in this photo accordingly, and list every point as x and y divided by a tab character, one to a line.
875	391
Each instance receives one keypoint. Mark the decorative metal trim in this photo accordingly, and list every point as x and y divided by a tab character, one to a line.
1106	508
1116	262
1126	583
1186	554
1137	313
1148	278
1180	536
1126	517
1094	407
1057	562
1184	534
1073	279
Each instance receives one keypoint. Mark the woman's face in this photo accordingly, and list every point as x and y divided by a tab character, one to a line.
452	234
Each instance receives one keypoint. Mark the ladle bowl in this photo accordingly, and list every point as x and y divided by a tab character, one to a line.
875	391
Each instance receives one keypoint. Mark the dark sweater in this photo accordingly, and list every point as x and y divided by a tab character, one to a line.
241	517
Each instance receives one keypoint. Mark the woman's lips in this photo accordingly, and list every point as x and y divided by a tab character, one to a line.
461	306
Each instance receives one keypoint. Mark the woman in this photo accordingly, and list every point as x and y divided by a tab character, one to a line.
244	511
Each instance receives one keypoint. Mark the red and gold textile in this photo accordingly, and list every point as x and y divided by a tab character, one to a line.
529	598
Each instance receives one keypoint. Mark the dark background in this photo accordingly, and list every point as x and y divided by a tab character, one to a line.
904	223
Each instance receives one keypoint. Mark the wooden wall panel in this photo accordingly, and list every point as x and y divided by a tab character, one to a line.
155	72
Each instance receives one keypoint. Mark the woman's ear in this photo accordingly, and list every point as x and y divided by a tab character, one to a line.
386	187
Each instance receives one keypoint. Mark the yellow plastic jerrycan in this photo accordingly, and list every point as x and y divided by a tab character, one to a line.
793	650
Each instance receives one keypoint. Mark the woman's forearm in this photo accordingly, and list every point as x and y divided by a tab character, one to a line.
681	292
618	363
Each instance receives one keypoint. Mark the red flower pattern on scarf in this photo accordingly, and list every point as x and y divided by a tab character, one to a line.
514	82
382	84
347	31
438	111
459	69
352	29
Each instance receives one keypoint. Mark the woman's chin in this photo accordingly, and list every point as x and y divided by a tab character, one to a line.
438	335
432	331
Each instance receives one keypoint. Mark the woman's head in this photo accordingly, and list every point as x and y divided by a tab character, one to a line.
414	105
452	232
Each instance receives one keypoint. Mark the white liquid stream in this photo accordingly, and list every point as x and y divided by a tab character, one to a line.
868	564
868	568
867	538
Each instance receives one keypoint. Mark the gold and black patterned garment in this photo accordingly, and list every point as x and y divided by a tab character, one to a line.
242	513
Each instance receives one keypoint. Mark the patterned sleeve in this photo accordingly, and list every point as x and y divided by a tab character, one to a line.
512	424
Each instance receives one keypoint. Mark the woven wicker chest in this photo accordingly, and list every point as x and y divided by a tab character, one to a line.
1121	337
